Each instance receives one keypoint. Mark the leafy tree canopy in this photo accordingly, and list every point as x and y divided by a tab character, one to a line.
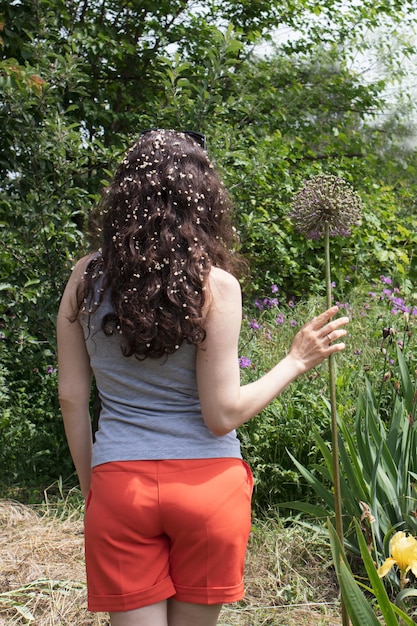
80	79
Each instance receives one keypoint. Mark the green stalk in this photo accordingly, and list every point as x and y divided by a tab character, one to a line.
333	406
381	386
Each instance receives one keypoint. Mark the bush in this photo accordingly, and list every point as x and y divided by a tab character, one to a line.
297	422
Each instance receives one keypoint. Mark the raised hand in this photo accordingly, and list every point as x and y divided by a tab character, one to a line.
316	340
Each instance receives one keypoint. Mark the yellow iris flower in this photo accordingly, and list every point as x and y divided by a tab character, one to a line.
403	549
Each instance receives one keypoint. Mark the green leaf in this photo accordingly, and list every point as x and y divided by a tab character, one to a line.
356	604
406	384
377	585
315	511
405	593
324	493
358	487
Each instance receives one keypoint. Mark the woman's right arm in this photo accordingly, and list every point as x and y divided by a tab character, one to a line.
74	379
225	404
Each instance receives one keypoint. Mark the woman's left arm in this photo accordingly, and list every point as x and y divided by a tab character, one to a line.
74	380
225	403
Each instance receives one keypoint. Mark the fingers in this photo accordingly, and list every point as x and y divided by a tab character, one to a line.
333	330
325	325
328	330
319	338
338	347
334	335
324	317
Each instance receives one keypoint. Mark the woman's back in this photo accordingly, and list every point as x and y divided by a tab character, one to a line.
150	408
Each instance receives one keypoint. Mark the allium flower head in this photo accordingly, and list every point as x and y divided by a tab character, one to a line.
325	199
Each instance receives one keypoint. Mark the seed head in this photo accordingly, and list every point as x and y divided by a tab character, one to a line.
325	199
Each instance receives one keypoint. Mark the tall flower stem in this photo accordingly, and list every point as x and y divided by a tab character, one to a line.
333	408
327	205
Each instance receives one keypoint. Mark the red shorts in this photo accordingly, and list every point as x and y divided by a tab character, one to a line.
161	529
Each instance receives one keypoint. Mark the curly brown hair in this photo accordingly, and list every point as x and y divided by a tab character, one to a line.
162	223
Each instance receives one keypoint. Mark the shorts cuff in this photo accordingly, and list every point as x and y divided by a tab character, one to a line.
210	595
136	600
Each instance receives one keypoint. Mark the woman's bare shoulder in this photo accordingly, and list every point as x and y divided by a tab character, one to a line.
221	281
224	293
69	298
82	263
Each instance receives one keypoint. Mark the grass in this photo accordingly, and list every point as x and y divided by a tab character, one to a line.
289	578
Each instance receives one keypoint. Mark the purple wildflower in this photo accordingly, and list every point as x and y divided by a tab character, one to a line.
274	288
280	318
244	362
386	280
254	325
400	305
293	323
326	199
268	303
50	370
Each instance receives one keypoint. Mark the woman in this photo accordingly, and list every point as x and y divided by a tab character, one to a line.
155	317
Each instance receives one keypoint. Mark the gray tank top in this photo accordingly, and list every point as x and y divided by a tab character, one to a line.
150	409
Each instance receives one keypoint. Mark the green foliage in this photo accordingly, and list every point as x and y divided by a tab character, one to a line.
278	147
288	422
33	451
359	606
271	121
43	196
297	423
378	467
78	81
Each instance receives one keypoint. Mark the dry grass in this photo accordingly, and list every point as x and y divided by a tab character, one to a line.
42	580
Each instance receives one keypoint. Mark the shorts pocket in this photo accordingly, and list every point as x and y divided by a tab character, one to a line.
88	500
249	477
